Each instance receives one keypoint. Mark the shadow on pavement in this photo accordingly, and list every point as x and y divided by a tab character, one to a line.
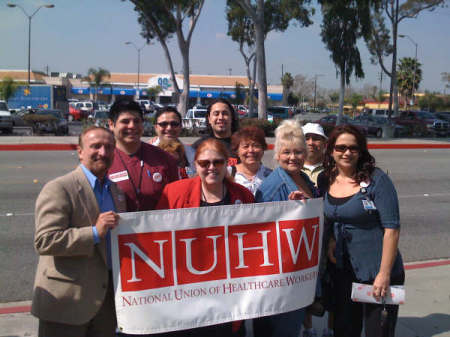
429	325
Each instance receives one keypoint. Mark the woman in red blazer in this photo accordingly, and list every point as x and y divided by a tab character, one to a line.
212	187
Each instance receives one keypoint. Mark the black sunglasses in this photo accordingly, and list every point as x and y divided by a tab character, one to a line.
166	124
344	148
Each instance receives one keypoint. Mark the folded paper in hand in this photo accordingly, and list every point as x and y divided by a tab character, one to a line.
363	293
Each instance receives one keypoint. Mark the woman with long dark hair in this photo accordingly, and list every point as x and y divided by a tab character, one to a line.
362	214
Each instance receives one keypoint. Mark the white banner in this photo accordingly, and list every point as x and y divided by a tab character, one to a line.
192	267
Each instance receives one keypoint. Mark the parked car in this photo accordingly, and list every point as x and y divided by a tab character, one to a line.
80	110
145	105
102	106
17	117
242	110
378	112
423	123
283	112
57	125
195	119
375	124
438	126
329	122
99	118
410	120
74	112
443	115
6	122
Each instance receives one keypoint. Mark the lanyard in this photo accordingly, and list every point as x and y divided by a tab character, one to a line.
137	190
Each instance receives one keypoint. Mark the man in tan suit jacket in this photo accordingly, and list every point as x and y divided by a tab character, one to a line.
73	292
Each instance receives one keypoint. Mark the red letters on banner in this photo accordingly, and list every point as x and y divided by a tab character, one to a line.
203	254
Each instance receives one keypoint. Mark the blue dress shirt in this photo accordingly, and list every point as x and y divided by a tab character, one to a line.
105	203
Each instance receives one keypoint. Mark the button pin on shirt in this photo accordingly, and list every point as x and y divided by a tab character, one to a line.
157	177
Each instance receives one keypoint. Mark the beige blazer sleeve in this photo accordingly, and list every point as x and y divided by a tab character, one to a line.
72	274
63	227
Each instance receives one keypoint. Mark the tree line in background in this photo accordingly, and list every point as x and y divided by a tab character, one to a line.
345	22
300	92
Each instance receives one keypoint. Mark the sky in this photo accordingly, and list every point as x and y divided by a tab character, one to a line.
77	35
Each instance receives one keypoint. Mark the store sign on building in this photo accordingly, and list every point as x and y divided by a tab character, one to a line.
165	83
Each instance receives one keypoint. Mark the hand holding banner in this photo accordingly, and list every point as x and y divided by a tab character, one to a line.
192	267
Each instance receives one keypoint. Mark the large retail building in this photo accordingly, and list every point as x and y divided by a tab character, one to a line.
202	87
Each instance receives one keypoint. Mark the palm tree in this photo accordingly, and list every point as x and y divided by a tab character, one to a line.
96	76
7	88
287	81
409	75
154	91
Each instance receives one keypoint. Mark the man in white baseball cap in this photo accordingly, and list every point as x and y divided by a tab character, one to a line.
315	143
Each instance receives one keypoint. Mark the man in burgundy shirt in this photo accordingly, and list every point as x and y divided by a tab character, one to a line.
140	170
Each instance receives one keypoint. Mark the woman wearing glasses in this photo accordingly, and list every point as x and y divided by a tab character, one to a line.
167	127
284	183
361	211
212	187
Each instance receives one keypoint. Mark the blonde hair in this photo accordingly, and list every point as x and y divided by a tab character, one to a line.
289	131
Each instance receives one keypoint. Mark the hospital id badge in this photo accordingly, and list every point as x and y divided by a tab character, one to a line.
369	205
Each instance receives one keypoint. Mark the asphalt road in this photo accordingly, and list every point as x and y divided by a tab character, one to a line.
422	178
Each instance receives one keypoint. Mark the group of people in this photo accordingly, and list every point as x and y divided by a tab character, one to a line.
118	172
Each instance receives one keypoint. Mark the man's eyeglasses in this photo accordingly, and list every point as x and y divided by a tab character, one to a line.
344	148
166	124
217	163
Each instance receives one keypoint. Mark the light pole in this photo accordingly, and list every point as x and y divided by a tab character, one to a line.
29	30
315	88
139	64
415	63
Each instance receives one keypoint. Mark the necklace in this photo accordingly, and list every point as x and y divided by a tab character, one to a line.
206	200
136	188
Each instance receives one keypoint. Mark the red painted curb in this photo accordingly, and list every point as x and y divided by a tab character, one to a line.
15	310
419	265
412	266
408	146
71	147
396	146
